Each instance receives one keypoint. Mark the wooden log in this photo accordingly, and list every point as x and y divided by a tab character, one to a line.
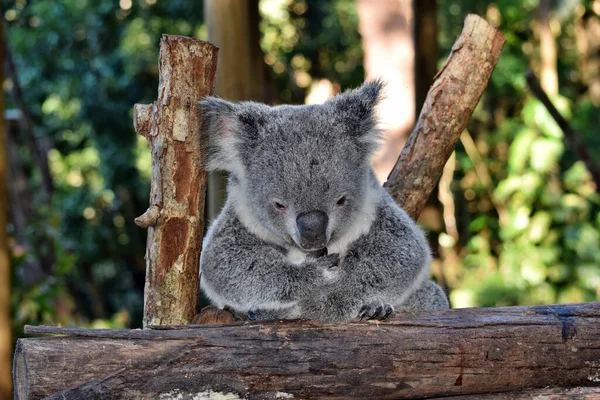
413	355
457	88
575	393
175	217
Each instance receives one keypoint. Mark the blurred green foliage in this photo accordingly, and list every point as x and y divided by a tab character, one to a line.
546	250
532	235
82	65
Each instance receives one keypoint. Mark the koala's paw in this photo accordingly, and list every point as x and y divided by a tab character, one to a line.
328	261
329	267
375	310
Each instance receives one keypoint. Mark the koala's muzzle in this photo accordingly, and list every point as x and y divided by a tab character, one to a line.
312	226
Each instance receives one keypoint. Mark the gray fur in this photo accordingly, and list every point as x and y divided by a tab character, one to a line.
288	160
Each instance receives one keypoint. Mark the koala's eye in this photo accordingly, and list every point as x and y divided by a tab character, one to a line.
280	206
341	201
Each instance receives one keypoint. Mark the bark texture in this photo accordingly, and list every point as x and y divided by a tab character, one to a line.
175	219
572	393
457	88
413	355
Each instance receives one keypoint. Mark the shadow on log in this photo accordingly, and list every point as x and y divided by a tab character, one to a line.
413	355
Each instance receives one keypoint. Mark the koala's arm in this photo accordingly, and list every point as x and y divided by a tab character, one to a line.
241	271
385	266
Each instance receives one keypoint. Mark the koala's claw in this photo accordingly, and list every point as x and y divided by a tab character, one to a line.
252	316
378	311
388	311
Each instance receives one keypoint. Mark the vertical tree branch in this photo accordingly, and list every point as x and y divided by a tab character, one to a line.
548	68
39	151
5	325
174	218
483	175
447	110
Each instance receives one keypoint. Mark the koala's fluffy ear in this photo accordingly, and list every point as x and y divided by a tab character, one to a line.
357	109
225	126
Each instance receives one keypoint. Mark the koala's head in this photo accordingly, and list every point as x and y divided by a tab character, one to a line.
301	172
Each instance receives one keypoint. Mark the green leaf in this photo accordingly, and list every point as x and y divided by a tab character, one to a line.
520	149
545	154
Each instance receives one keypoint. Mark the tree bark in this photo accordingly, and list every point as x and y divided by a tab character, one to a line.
571	393
386	27
174	218
450	102
412	355
5	324
233	26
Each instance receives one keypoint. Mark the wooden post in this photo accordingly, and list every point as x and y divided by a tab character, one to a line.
448	108
174	218
412	355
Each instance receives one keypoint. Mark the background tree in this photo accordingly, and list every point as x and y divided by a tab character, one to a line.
386	27
233	26
5	281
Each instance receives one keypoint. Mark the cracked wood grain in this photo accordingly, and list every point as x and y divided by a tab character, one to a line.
175	216
465	352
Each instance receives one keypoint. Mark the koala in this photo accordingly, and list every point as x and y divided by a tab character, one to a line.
307	231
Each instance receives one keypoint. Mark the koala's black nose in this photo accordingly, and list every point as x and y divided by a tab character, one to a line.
312	226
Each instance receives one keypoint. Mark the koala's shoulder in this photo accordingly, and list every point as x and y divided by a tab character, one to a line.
392	220
227	228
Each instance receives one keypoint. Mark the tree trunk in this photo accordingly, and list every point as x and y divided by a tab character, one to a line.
175	217
39	147
588	44
5	324
233	26
426	49
412	355
386	27
438	211
548	71
450	102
